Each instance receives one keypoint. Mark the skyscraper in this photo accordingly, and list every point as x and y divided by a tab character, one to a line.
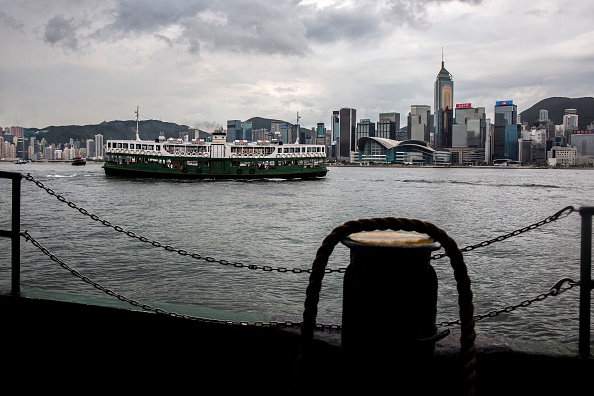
234	130
388	126
365	128
347	123
471	126
99	149
443	107
506	131
570	122
418	123
90	145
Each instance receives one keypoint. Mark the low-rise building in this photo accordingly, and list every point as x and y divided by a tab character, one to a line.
562	156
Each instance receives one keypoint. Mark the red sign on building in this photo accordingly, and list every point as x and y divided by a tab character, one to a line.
583	132
463	105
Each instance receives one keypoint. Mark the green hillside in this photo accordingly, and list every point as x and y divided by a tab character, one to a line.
149	129
556	107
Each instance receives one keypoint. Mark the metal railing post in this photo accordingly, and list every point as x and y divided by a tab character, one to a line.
585	281
16	236
15	232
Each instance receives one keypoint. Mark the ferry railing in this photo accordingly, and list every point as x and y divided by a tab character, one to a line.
586	213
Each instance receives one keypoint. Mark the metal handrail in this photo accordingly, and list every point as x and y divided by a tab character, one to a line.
15	232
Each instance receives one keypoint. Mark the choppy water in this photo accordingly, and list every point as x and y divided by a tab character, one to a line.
283	223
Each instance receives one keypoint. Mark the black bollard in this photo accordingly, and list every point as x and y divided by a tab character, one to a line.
389	310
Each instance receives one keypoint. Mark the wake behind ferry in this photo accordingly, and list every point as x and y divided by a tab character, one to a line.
217	159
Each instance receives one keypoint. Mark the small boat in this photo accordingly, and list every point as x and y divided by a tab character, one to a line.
21	161
78	160
216	159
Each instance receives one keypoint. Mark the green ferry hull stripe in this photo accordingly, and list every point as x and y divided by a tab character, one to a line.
222	170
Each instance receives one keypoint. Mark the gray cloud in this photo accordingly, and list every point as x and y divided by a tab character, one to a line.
282	27
61	31
146	16
235	59
413	13
240	26
165	39
7	20
333	24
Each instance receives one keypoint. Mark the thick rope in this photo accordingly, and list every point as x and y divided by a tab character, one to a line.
466	307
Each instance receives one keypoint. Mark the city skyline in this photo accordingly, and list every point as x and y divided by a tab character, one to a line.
202	63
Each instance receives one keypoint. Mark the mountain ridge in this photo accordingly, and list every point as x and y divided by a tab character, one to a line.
556	107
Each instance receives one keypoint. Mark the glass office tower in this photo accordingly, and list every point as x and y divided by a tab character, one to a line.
443	116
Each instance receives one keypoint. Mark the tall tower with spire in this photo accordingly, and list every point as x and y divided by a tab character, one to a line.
443	108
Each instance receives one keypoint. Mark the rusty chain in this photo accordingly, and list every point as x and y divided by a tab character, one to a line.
559	215
182	252
553	291
557	289
53	257
266	268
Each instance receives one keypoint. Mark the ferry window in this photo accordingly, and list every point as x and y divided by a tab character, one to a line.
119	145
151	147
138	147
158	147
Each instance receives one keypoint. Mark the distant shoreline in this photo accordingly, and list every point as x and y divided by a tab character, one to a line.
14	160
456	166
399	166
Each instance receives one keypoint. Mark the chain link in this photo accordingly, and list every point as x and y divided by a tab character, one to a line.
182	252
556	290
285	324
559	215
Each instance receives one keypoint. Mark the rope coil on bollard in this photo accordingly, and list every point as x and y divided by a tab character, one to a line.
466	307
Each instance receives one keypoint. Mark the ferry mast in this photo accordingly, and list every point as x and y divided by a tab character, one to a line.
137	131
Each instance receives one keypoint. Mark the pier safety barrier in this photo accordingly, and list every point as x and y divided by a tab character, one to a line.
418	251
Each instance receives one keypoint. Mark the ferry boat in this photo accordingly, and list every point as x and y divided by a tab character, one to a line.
217	159
78	161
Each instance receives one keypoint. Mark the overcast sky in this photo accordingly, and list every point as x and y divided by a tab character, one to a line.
201	63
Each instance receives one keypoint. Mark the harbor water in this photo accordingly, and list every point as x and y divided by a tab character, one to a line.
260	237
